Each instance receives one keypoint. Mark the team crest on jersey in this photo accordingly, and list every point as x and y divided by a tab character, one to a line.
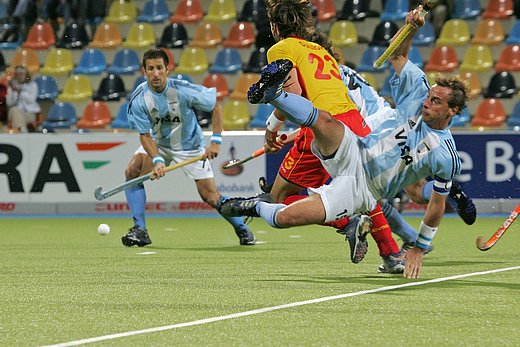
411	123
423	148
288	164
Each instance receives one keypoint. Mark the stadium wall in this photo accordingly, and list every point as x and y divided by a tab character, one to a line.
58	173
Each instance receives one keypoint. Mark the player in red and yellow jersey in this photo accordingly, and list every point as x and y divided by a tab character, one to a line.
316	76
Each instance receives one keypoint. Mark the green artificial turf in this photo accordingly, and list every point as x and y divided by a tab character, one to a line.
61	281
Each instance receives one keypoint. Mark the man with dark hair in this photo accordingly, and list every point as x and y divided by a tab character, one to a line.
161	109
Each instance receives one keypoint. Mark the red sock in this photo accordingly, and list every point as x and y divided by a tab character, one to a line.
382	233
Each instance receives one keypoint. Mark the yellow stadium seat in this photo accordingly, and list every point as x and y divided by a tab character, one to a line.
477	58
343	33
59	62
221	11
454	32
235	115
121	11
77	88
193	60
140	36
107	35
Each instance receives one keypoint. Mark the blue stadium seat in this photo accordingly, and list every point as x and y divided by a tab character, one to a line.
137	82
184	77
461	120
425	36
92	62
262	113
61	116
154	11
370	55
514	35
47	88
466	9
415	57
227	61
10	36
121	120
126	62
513	122
395	10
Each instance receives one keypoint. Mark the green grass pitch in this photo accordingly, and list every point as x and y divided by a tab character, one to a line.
61	281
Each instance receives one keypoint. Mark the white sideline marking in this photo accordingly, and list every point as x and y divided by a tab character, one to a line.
274	308
146	253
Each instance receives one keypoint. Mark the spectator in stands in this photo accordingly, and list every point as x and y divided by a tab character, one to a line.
3	106
91	12
23	14
23	108
51	10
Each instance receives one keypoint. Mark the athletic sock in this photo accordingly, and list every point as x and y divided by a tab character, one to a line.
382	233
296	108
399	226
136	198
268	212
236	222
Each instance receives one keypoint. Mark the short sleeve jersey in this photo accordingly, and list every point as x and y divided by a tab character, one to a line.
318	73
169	115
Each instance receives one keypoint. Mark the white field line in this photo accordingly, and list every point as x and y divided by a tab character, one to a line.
274	308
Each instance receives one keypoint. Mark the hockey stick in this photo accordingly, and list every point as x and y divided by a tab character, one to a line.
484	245
99	195
257	153
402	35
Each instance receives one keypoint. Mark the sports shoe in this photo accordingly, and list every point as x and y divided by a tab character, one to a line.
271	82
356	234
246	237
236	207
136	237
392	264
262	182
465	206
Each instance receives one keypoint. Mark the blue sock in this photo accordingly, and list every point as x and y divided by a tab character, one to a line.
426	193
268	212
136	198
236	222
296	108
399	226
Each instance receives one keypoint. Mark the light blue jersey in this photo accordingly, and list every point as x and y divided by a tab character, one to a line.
403	149
169	115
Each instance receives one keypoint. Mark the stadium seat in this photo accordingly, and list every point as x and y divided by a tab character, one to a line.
514	35
61	115
454	32
10	36
477	58
509	59
140	36
221	11
501	85
251	10
354	10
154	11
95	116
41	36
219	82
343	33
203	118
242	85
432	76
174	35
92	62
111	88
415	57
235	115
326	9
59	62
107	35
466	9
241	35
513	121
461	120
25	57
262	113
207	35
188	11
395	10
171	59
264	38
183	77
126	62
425	36
121	11
473	81
192	61
74	36
121	119
257	60
47	87
383	33
227	61
498	9
77	88
370	79
490	112
370	55
488	32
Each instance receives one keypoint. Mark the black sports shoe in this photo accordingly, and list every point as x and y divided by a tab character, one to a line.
136	237
271	82
236	207
465	206
246	237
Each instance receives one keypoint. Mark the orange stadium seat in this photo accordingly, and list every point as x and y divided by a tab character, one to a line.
499	9
241	35
490	113
95	116
188	11
219	82
207	35
242	85
509	59
473	81
107	35
489	32
41	36
326	9
25	57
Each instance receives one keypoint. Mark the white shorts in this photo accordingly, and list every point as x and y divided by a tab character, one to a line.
348	193
197	171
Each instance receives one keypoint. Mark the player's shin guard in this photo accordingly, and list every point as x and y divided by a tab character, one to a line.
382	233
136	198
297	109
268	213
